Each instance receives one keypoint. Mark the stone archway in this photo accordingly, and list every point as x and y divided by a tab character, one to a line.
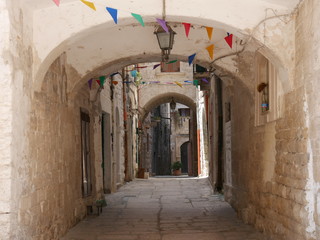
151	101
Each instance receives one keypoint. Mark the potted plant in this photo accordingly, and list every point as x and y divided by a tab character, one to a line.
176	168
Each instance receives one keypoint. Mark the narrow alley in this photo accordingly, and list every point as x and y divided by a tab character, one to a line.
166	209
113	101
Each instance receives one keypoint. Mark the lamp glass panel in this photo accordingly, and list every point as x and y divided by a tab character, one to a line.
164	40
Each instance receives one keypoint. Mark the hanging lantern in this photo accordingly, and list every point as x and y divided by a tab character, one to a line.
173	104
165	41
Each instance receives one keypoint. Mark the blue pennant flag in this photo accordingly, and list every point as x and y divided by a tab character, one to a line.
114	14
191	58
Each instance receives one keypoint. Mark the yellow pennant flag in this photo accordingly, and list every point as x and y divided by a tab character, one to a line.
209	31
210	50
89	4
179	84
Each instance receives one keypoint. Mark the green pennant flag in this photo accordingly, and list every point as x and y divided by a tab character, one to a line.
196	82
102	80
139	18
173	61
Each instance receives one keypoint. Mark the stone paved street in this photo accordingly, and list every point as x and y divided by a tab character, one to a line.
166	209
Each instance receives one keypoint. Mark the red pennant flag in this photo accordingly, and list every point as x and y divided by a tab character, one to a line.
187	28
142	67
229	39
57	2
98	81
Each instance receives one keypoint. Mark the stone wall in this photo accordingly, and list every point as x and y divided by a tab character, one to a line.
6	94
307	69
274	166
51	197
203	130
269	172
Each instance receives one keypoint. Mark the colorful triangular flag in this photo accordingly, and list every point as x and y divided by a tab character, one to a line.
173	61
115	82
139	18
205	80
229	39
134	73
114	14
209	31
191	58
102	80
179	84
163	24
90	83
141	67
187	28
57	2
98	81
196	82
89	4
155	66
210	50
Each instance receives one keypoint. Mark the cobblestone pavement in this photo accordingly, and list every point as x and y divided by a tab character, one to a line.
165	209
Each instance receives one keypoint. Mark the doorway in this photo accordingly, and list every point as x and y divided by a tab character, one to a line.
184	157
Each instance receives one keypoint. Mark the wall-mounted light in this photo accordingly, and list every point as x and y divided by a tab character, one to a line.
165	41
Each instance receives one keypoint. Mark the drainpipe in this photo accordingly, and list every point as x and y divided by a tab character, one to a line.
126	167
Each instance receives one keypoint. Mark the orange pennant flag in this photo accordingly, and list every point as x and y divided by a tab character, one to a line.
179	84
209	31
210	50
89	4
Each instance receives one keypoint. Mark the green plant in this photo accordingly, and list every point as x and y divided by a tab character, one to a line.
101	202
176	165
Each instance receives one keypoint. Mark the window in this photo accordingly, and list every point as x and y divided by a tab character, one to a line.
170	67
267	92
85	156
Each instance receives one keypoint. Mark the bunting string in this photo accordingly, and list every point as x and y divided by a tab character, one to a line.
101	81
113	12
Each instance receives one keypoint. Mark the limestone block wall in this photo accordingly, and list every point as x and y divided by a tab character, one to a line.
51	196
145	148
307	69
118	131
6	114
202	127
179	132
272	169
